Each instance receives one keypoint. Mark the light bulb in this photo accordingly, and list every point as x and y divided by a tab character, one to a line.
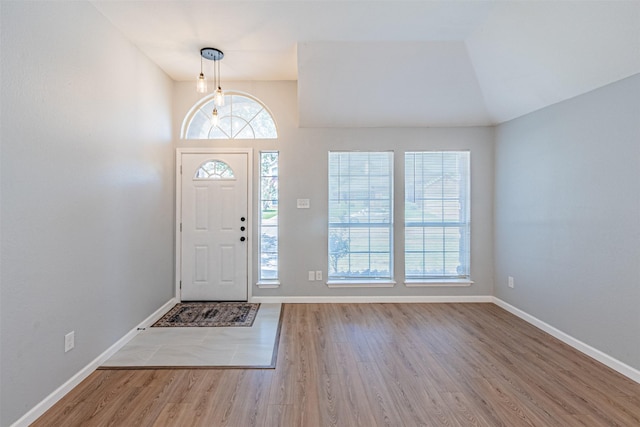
219	97
201	86
215	120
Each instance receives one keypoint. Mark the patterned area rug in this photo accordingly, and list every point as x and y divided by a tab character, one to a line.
209	314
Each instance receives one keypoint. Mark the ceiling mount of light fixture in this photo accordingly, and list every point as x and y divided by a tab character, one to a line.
211	53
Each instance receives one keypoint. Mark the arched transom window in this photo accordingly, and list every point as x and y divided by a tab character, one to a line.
214	169
241	117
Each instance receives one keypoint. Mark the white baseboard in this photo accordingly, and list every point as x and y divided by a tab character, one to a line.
373	299
596	354
65	388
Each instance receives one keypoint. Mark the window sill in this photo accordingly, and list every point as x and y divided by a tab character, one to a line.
416	283
268	284
361	283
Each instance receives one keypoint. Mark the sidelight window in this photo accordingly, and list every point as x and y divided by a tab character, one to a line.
268	216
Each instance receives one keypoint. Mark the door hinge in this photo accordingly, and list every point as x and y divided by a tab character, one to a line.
180	169
180	227
180	284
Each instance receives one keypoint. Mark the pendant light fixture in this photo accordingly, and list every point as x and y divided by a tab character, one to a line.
215	119
215	55
201	85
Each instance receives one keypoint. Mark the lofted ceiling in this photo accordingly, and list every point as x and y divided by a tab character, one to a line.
396	63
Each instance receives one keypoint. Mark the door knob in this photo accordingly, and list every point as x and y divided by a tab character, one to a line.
242	239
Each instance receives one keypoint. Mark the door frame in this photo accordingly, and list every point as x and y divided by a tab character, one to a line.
178	231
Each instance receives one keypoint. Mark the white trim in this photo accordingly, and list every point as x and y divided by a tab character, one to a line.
178	184
600	356
72	382
373	299
418	283
361	283
268	284
178	226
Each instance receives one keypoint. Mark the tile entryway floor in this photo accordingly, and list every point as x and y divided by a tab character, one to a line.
204	347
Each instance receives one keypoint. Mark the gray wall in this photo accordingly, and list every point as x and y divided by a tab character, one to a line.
87	194
303	174
89	128
567	217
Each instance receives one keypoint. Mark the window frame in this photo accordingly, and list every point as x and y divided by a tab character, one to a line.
463	223
196	109
354	280
268	282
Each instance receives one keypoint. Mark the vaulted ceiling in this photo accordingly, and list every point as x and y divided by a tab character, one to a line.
396	63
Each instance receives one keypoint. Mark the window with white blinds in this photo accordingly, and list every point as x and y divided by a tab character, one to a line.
360	215
437	224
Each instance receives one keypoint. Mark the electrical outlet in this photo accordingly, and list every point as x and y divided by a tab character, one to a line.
511	282
303	203
319	275
312	276
69	341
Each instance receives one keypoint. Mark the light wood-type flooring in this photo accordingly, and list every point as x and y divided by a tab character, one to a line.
374	365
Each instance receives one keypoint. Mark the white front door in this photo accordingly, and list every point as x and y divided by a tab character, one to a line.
215	226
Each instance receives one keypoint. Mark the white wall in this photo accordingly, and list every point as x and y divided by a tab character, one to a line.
567	217
87	194
303	174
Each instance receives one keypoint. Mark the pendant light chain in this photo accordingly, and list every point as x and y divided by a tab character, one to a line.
219	96
201	85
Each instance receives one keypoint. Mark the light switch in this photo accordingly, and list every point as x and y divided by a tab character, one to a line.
303	203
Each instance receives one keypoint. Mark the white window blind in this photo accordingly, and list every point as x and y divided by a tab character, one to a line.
360	215
437	225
